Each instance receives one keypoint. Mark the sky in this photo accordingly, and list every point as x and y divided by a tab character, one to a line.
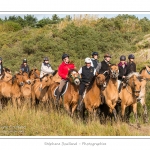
41	16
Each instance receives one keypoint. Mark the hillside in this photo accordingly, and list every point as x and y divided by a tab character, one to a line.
78	37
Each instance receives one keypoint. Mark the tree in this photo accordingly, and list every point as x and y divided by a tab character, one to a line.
30	20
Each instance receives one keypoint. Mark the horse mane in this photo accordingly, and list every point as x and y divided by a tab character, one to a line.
44	76
112	65
91	83
143	69
133	73
7	70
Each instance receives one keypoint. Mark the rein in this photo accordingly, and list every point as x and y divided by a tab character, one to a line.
131	92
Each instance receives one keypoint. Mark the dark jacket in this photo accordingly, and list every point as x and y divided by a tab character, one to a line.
1	69
95	62
104	67
122	70
131	67
24	68
87	74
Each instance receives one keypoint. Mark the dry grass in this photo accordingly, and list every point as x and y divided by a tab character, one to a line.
42	123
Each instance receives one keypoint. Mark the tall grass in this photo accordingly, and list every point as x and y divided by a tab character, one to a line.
23	122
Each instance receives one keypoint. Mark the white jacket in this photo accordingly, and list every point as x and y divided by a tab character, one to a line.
46	69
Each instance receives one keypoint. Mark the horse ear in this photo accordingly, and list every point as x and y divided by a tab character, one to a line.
96	74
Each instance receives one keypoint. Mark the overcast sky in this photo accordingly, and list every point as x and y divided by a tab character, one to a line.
41	16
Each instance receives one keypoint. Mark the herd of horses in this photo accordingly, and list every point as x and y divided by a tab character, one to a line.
101	97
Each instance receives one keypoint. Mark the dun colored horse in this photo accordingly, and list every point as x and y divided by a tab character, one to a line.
26	89
92	99
11	90
70	98
129	94
145	73
7	75
39	91
34	74
111	91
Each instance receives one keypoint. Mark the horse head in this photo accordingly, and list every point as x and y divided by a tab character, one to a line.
74	76
34	74
114	71
18	79
7	75
46	80
26	78
134	83
100	79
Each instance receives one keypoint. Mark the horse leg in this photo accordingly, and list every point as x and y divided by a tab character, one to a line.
128	112
145	113
18	102
14	102
74	106
135	114
115	114
67	107
123	107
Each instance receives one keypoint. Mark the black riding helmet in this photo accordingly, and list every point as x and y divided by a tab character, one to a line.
64	56
1	58
46	59
122	58
131	56
95	53
25	60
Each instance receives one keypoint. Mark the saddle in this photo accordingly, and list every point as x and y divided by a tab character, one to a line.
63	90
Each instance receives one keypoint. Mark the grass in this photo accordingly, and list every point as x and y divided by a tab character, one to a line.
23	122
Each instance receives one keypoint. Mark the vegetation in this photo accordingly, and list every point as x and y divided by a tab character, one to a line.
79	37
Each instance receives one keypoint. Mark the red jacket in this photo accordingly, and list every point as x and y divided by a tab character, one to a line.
64	68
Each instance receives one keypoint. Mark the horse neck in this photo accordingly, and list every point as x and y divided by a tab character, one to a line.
95	88
113	82
15	85
72	86
145	74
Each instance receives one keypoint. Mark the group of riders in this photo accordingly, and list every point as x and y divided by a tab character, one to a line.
88	71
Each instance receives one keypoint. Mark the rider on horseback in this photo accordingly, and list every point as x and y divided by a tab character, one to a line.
24	66
104	65
46	68
87	73
122	71
63	70
131	66
94	59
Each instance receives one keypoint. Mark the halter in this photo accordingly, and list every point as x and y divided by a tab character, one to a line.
78	77
133	91
147	71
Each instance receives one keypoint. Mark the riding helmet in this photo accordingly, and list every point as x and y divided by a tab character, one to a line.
25	60
107	55
122	58
64	56
131	56
1	58
88	60
46	59
95	53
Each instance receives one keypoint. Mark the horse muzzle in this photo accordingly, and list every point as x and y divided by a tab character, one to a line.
77	81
